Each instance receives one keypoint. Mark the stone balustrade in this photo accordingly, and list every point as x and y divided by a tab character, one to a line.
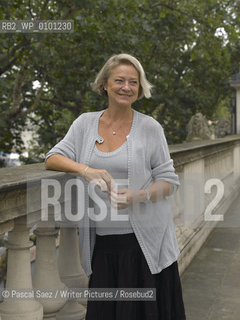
205	168
209	173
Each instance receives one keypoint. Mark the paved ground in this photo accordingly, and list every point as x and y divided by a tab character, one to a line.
211	284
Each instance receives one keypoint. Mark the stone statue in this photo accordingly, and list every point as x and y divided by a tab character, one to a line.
198	128
223	128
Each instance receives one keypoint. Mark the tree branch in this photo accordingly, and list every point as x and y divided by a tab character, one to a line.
17	90
160	4
17	112
30	9
6	59
8	66
11	53
43	9
38	95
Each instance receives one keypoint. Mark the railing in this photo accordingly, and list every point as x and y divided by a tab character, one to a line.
20	210
210	181
200	165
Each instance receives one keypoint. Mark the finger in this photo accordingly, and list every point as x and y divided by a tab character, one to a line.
100	183
113	195
94	181
108	179
118	206
115	200
122	195
113	203
122	191
122	206
118	198
130	194
103	186
112	183
122	199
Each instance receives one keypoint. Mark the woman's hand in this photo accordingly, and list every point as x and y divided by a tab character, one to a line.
101	178
123	198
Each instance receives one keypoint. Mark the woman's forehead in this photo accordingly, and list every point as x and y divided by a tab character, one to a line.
125	70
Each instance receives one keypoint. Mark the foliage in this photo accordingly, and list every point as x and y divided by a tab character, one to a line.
3	266
178	42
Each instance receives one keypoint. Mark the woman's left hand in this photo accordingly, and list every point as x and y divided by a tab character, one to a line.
123	198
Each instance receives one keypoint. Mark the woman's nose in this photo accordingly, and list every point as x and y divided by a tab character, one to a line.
126	86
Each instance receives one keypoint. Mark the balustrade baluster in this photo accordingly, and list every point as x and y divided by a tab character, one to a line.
71	273
19	276
46	276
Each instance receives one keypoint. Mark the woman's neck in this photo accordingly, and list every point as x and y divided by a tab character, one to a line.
115	114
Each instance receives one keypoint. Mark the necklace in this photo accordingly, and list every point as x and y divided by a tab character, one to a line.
114	132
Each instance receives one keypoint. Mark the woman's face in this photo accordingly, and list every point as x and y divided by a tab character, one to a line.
123	85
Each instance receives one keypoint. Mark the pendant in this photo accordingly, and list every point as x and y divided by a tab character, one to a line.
114	132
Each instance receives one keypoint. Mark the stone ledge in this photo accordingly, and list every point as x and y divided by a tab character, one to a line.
18	177
192	151
199	144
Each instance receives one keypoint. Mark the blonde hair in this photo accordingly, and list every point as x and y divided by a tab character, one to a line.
144	87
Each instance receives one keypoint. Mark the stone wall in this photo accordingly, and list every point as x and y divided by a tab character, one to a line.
201	165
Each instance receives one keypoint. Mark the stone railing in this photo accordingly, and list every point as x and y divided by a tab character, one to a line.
20	210
209	173
197	163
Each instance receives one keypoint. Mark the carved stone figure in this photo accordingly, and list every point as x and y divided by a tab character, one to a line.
198	128
223	128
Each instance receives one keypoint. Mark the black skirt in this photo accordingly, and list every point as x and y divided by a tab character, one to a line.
118	262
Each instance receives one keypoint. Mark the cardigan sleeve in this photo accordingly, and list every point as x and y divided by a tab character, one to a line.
161	162
67	146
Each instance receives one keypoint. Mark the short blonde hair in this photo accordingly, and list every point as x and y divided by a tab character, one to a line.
144	87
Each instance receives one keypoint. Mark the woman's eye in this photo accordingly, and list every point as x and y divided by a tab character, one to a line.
134	82
118	80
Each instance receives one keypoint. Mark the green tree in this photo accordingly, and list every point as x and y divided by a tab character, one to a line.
178	42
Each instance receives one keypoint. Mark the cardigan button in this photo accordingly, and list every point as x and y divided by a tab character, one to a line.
100	140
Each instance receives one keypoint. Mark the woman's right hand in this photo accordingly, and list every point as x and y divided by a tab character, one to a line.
101	178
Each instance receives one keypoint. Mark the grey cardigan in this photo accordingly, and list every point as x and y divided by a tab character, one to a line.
148	162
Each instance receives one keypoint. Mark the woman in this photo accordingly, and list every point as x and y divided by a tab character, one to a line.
128	239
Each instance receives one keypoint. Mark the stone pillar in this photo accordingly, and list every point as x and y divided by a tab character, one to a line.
193	193
71	273
238	109
19	275
236	162
6	227
46	276
235	83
